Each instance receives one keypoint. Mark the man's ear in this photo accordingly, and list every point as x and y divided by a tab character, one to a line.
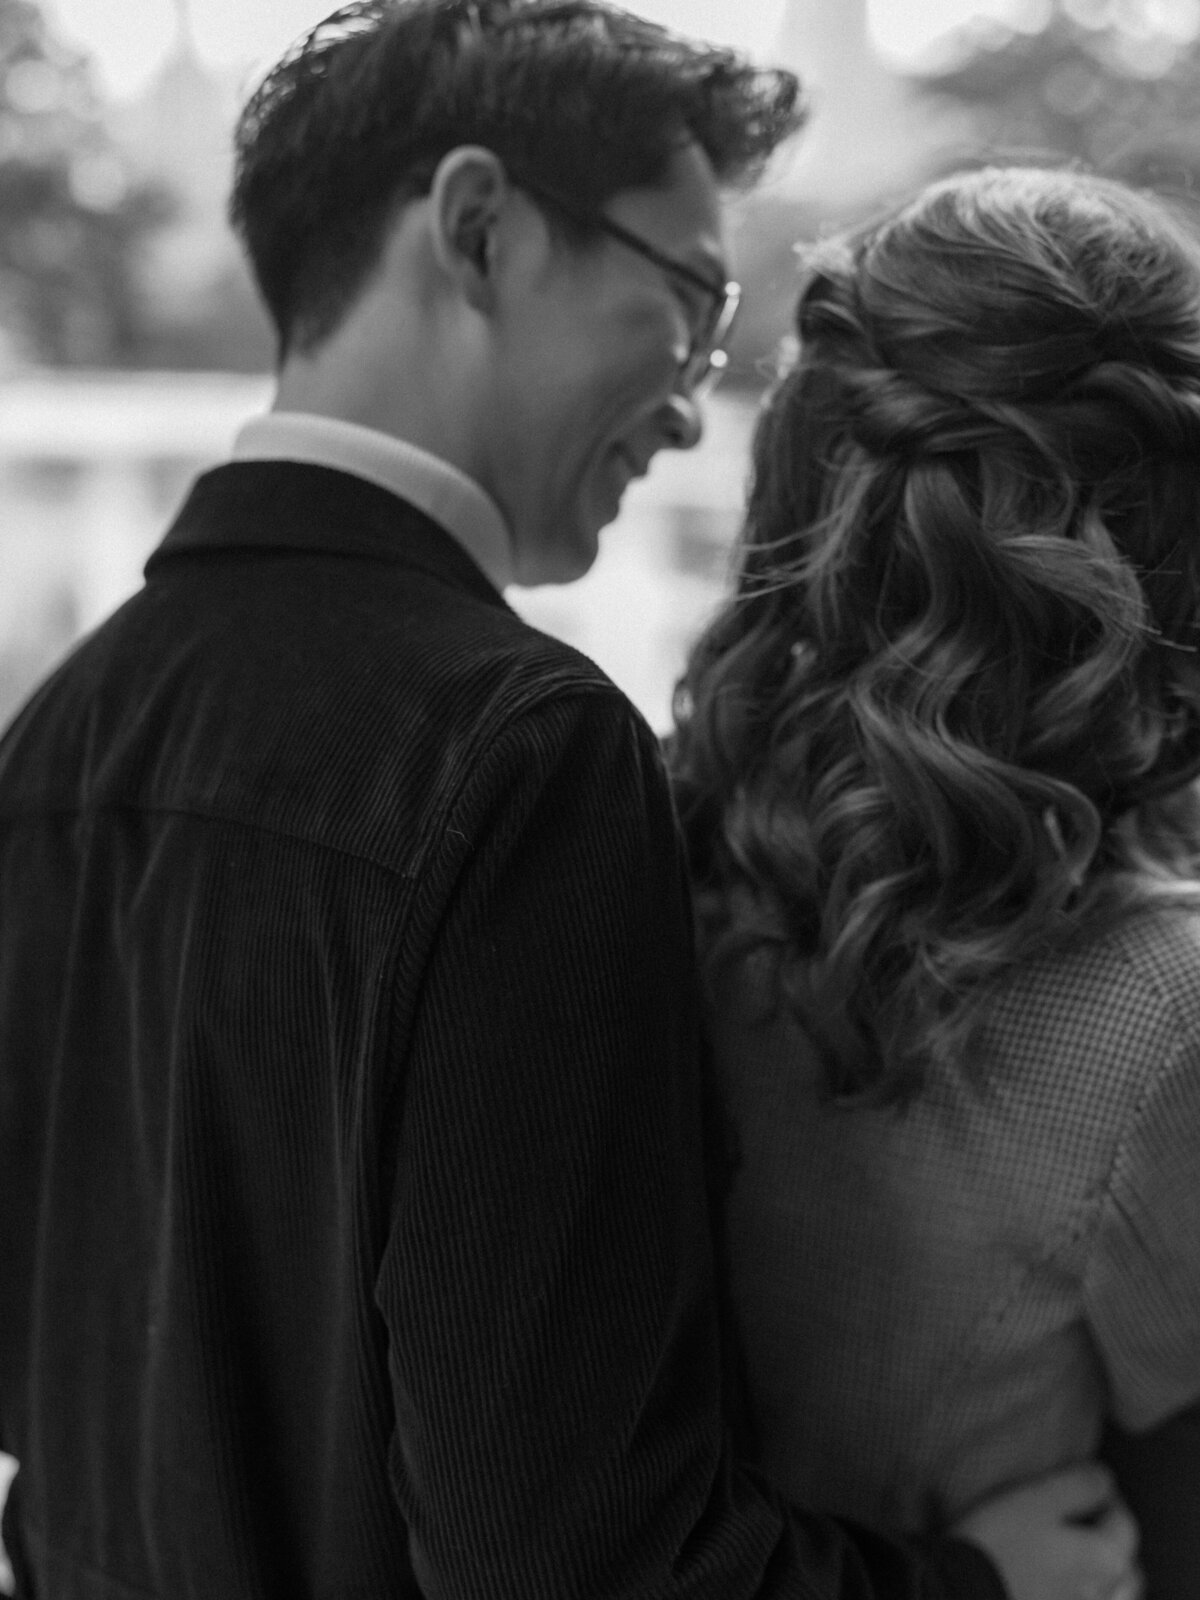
467	197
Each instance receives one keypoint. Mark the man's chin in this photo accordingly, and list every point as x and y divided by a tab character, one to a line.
566	559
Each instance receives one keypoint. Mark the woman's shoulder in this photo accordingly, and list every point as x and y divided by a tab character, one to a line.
1095	1023
1144	968
1160	945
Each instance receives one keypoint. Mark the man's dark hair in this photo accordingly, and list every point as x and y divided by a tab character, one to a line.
577	96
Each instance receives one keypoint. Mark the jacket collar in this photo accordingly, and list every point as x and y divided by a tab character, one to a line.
299	507
444	493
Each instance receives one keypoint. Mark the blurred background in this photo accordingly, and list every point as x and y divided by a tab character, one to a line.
132	348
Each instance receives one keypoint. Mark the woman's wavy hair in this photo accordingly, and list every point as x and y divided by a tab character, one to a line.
950	717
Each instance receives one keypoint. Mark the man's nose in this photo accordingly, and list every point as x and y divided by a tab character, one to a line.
682	421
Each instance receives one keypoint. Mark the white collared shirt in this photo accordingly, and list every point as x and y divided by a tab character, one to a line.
452	499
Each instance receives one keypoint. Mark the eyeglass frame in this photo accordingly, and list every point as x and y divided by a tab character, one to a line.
706	359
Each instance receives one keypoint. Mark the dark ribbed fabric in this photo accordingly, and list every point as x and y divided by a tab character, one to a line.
353	1238
1159	1475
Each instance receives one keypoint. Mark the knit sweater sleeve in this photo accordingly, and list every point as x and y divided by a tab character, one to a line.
1142	1286
547	1279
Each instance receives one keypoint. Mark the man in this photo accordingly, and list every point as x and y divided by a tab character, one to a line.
353	1230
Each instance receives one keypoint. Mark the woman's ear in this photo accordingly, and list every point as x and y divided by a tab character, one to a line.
467	198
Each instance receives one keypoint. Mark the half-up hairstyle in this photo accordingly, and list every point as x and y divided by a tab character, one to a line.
950	718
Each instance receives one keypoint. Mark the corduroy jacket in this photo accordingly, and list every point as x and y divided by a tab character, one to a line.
353	1234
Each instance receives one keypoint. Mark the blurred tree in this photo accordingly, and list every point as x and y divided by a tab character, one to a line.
72	219
222	328
1112	83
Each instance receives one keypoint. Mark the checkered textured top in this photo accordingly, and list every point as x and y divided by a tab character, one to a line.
937	1302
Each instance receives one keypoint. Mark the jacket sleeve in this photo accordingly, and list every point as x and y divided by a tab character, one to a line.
547	1280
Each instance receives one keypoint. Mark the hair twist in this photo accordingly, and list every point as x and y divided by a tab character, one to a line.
949	718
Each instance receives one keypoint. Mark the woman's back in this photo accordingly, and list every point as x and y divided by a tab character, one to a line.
935	1300
937	758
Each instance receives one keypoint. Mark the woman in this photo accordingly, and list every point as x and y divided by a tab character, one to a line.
935	761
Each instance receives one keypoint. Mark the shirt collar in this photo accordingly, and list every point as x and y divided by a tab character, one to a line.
452	499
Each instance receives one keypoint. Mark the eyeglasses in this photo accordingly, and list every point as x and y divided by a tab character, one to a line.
706	360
